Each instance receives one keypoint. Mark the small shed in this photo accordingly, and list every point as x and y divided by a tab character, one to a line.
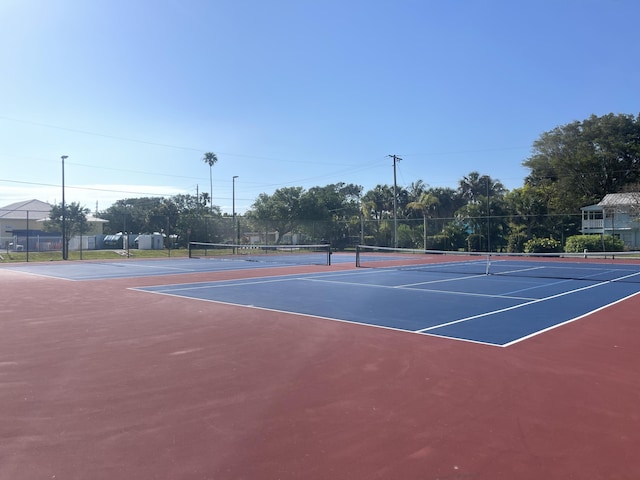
152	241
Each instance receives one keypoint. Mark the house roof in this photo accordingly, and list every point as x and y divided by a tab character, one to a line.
90	219
38	211
616	199
592	208
35	209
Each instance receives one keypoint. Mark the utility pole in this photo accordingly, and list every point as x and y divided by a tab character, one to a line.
233	210
395	201
488	216
65	253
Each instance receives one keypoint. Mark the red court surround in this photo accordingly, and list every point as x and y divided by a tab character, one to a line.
101	382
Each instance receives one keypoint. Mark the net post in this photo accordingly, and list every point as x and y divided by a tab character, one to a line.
329	254
190	246
357	256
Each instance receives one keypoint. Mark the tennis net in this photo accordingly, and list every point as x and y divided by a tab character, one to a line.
285	254
595	266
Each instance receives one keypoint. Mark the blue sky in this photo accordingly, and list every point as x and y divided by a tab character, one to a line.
296	92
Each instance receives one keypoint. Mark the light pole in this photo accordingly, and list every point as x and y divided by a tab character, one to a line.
125	234
395	201
64	215
233	200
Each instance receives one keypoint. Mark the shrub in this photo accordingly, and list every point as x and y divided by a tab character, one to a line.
593	243
439	242
406	237
542	245
475	242
516	242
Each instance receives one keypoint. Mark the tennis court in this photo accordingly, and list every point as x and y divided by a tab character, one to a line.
129	268
236	369
452	299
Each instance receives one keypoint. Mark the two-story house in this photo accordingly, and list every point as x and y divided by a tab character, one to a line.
617	214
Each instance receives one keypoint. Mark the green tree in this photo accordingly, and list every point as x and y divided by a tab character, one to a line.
320	213
476	188
449	201
425	205
529	208
416	189
280	211
455	233
187	219
327	212
484	212
180	217
379	203
75	221
137	215
584	160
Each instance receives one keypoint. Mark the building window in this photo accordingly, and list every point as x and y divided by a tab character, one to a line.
592	215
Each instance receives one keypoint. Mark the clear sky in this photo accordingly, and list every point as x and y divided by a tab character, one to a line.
296	92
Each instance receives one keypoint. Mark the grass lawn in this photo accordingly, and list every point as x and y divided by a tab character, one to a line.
16	257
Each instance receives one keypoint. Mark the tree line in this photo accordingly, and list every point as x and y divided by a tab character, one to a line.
571	166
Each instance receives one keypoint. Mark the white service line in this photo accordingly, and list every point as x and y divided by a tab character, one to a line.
486	314
426	290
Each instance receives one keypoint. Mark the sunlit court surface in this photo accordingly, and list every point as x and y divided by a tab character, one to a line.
226	368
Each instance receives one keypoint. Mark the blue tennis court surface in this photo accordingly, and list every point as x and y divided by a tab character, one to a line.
131	268
490	309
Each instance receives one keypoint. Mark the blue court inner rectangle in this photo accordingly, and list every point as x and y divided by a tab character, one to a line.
488	309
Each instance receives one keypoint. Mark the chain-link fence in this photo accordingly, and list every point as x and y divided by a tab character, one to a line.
506	233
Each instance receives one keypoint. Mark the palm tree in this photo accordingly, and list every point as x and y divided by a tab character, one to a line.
425	202
210	158
366	207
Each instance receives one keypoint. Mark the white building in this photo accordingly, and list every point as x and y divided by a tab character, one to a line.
23	216
618	215
29	216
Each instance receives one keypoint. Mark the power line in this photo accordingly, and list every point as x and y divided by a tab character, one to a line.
159	144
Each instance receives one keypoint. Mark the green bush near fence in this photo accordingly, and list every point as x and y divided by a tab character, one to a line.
542	245
593	243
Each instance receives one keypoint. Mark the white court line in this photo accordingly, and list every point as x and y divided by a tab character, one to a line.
248	282
223	281
16	270
531	335
320	317
426	290
425	331
494	312
465	277
179	287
